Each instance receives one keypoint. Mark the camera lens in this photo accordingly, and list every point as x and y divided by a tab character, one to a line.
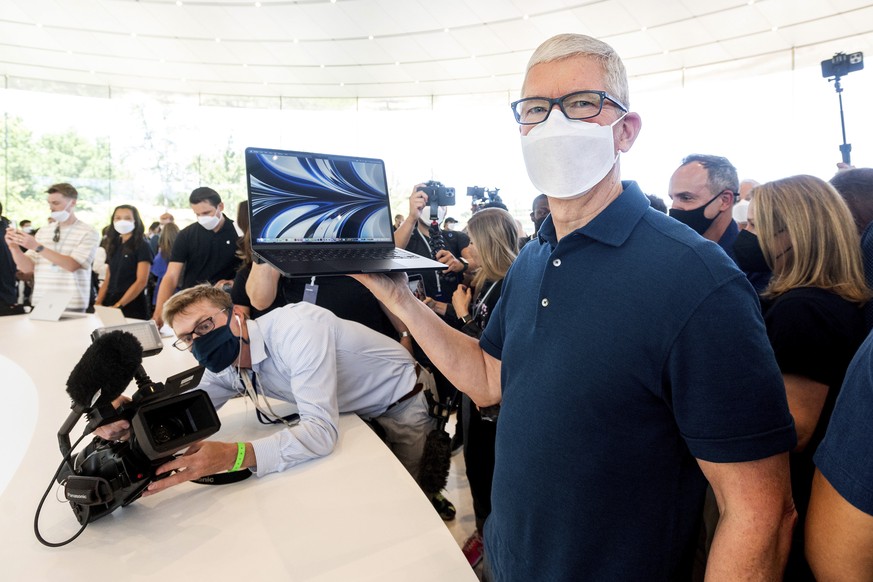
167	430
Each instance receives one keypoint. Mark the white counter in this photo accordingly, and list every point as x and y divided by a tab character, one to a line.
354	515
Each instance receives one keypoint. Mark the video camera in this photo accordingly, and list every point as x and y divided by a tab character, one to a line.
483	197
164	419
842	64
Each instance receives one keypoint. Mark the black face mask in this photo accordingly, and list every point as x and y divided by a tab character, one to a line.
695	219
218	349
750	257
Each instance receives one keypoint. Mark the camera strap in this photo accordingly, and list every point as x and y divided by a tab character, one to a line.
224	478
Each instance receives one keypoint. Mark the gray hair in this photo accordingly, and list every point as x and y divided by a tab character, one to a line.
721	174
565	46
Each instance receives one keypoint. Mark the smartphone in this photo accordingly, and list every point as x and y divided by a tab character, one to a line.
416	285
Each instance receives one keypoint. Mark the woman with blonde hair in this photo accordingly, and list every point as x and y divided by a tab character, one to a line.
494	246
812	312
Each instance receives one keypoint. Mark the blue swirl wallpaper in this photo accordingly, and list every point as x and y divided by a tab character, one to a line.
309	198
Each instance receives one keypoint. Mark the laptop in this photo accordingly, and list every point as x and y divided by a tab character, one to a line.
52	307
320	214
110	316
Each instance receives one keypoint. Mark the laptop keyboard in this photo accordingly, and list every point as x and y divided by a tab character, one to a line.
308	255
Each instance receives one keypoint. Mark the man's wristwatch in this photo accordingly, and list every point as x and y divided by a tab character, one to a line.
466	265
466	319
39	248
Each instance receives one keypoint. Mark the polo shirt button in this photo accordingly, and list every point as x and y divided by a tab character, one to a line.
545	302
557	262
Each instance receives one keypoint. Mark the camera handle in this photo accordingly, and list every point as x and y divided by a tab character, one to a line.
845	148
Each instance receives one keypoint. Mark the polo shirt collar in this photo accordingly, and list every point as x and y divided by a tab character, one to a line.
613	225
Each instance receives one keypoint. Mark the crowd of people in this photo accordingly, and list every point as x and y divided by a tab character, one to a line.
643	393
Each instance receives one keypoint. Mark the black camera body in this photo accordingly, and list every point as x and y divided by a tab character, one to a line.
106	475
484	197
842	64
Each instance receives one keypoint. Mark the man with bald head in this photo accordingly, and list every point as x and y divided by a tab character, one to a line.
606	352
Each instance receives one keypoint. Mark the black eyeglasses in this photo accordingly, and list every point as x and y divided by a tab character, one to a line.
186	340
57	236
578	105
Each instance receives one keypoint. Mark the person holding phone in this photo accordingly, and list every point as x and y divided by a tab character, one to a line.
494	246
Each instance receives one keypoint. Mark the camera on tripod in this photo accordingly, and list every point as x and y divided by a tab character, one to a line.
842	64
484	197
833	69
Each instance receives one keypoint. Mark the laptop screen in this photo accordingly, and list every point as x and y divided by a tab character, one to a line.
298	197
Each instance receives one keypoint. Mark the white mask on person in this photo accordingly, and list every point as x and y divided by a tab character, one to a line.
425	214
27	229
123	226
209	222
62	215
567	158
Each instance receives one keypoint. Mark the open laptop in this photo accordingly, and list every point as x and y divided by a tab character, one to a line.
319	214
52	307
110	316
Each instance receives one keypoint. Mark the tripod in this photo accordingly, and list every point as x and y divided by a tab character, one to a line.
845	148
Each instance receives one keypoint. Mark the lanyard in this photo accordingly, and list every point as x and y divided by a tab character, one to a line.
264	417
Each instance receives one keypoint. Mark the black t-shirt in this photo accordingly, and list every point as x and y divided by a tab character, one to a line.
815	334
421	245
208	256
8	294
343	296
122	267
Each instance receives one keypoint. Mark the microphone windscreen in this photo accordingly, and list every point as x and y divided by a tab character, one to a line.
108	365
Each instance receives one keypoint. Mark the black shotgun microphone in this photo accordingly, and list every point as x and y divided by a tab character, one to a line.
102	374
107	367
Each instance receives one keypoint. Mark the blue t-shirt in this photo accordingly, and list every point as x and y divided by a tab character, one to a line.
619	348
845	456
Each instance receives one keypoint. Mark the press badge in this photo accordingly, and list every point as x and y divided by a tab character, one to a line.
310	292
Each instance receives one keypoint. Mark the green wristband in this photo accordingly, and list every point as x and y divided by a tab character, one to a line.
240	455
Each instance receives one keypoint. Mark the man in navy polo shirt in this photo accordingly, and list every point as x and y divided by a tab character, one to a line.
602	460
204	252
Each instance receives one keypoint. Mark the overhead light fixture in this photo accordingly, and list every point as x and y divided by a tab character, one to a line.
370	37
178	2
644	29
321	65
526	16
396	63
217	39
445	30
342	84
775	28
257	4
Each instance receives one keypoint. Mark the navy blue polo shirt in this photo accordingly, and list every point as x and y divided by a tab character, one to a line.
619	348
845	456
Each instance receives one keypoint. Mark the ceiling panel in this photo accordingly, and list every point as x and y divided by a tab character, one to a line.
154	43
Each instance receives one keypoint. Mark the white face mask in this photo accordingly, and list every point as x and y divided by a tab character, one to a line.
62	215
27	229
567	158
425	214
123	226
208	222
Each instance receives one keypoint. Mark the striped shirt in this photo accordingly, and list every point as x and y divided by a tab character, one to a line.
77	240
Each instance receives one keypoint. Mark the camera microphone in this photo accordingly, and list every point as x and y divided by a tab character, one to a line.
107	367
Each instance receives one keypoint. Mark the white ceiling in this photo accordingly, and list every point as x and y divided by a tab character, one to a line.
393	48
